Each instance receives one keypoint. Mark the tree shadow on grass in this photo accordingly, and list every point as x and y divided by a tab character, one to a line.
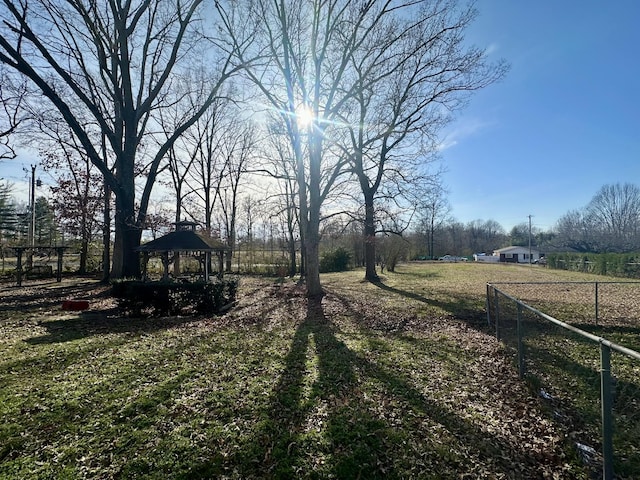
336	414
101	323
111	320
459	307
50	295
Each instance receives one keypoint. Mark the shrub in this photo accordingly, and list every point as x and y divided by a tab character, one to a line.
337	260
138	298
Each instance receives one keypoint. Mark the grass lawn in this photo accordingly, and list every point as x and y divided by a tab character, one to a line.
397	380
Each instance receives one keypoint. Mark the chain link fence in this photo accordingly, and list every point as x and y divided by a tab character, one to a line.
588	383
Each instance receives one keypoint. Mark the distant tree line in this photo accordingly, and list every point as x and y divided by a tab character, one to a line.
264	235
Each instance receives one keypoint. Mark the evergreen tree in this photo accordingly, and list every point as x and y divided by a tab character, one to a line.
8	215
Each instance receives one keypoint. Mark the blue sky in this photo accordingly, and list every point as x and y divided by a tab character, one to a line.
563	123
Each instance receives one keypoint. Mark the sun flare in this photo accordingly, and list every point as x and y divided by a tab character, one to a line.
305	116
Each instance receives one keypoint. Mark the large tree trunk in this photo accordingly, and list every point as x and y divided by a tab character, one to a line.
370	240
106	235
312	255
312	231
126	260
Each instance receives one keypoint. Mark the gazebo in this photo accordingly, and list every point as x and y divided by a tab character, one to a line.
184	239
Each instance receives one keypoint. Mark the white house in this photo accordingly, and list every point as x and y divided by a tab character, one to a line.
517	254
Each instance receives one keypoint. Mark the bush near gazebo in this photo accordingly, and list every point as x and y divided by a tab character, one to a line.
138	298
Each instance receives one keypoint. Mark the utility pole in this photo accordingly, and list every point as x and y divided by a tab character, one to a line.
31	240
33	206
530	239
31	235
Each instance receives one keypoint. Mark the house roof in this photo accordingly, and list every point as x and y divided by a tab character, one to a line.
183	241
515	248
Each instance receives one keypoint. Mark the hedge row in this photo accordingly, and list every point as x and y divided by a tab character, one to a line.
626	265
138	298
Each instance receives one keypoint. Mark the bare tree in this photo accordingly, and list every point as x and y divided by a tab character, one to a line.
250	208
278	164
117	61
11	101
238	148
434	210
409	74
615	213
302	77
78	196
608	223
574	230
485	236
288	212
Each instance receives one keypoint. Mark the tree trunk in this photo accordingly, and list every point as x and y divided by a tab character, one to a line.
432	231
84	245
176	255
303	261
231	243
312	244
370	240
84	253
292	255
231	233
106	235
126	260
312	230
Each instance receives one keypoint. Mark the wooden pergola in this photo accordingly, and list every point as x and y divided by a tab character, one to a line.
184	239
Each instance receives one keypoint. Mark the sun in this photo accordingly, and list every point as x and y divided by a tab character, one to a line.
304	116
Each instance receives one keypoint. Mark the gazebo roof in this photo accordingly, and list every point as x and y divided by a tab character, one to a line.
183	241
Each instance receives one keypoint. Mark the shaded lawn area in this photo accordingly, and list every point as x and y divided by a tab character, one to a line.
397	380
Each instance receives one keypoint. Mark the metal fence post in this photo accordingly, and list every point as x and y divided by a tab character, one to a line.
495	291
606	406
596	303
521	365
487	305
